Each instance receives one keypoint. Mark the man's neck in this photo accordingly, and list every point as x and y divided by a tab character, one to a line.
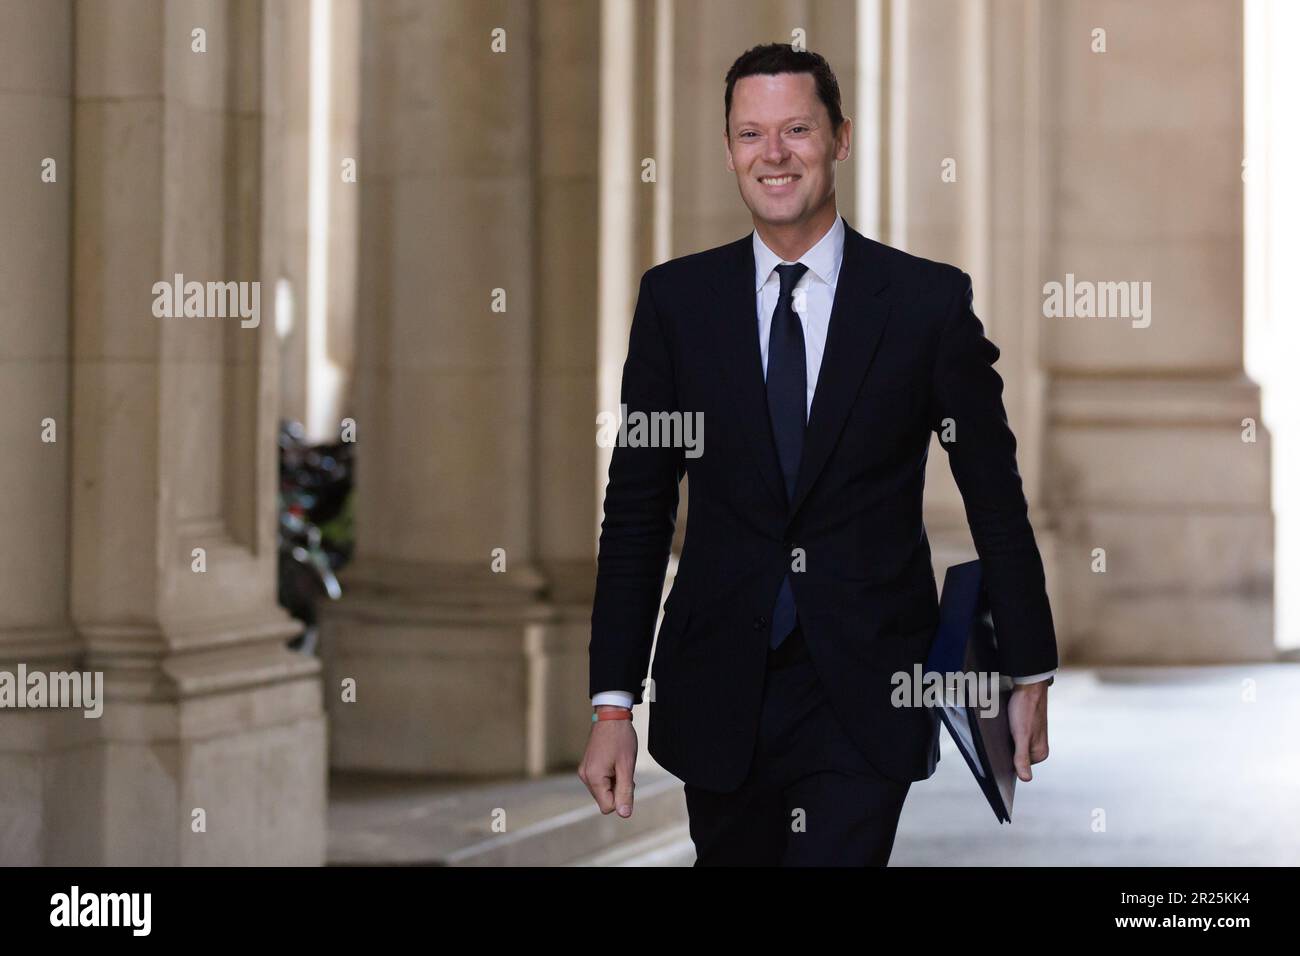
791	240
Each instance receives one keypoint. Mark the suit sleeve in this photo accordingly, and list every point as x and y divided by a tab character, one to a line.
967	407
641	500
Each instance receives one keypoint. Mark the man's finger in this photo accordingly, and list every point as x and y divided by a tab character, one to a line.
623	787
604	792
1022	759
599	785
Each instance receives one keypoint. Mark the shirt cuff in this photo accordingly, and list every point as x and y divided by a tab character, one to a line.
1034	678
619	698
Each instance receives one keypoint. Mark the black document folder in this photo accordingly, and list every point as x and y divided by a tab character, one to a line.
966	644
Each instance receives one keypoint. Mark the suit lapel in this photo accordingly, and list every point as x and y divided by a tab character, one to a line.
742	362
858	318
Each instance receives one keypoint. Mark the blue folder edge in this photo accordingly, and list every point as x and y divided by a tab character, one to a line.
961	605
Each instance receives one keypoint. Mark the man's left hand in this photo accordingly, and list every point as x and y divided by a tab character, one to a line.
1027	714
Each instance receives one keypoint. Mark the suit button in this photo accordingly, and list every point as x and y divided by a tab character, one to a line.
760	623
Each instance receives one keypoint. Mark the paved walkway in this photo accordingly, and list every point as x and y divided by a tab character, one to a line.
1160	766
1177	764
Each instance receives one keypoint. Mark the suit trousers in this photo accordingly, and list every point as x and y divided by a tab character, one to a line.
810	797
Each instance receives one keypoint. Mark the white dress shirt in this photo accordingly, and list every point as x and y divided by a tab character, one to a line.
814	294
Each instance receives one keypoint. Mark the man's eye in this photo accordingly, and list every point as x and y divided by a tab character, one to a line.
798	128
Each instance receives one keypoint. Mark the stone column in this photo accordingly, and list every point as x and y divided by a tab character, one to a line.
964	155
938	184
1012	220
176	151
319	207
35	421
1148	467
566	191
477	221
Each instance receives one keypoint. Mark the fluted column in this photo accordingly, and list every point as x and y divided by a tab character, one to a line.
35	421
1164	495
462	622
964	150
319	203
566	190
211	746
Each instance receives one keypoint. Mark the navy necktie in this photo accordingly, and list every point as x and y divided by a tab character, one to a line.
787	404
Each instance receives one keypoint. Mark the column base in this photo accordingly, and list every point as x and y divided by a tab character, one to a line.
1154	476
122	790
442	688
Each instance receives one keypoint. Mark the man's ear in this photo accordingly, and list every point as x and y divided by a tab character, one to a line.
726	144
843	144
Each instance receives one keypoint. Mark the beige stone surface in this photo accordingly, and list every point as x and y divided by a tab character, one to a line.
166	431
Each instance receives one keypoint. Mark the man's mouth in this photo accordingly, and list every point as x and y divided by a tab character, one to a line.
778	180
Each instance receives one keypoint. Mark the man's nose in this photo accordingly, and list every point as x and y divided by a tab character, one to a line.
774	150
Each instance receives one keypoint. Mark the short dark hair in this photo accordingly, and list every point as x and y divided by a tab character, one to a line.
772	58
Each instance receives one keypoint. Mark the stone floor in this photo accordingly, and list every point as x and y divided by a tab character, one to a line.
1168	766
1182	768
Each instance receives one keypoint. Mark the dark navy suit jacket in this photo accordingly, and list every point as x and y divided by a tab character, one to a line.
904	354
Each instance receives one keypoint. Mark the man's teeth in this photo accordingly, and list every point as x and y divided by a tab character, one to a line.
776	180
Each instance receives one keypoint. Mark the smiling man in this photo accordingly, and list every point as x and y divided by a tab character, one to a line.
823	362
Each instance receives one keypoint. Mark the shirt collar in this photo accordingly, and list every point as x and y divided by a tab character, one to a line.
823	259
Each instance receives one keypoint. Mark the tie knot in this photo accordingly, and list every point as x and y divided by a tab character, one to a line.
789	276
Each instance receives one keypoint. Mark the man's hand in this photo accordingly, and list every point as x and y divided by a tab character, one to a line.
1027	713
607	765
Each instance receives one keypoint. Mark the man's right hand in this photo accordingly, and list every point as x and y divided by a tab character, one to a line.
608	764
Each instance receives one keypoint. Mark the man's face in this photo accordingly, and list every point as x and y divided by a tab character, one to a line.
781	147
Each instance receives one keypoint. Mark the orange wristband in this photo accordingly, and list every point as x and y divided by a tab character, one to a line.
619	713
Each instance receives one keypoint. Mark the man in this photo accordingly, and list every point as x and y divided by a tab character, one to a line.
821	362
